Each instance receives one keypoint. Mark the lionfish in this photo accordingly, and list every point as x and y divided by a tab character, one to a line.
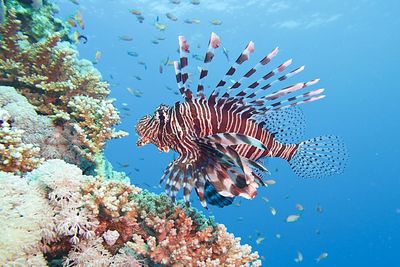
222	136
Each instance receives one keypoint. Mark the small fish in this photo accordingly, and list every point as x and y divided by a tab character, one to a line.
2	12
239	219
160	68
319	209
273	211
270	182
171	16
192	21
195	2
225	53
135	12
77	37
143	64
265	199
140	18
160	26
197	57
79	18
321	257
123	165
125	38
137	78
126	108
216	22
155	42
299	257
237	204
299	207
278	236
169	88
317	232
124	104
74	2
176	2
97	56
71	22
259	240
136	169
37	4
292	218
133	54
161	38
134	92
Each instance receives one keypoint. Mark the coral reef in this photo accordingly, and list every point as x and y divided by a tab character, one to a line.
23	213
15	156
79	219
50	76
61	202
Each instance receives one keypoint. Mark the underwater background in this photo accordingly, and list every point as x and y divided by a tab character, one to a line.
353	46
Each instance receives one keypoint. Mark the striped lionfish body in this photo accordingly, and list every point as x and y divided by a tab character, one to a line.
220	137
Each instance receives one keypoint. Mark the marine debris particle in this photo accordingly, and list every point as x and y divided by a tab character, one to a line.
299	257
292	218
278	236
322	256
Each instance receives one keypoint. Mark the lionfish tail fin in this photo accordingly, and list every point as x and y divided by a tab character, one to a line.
319	157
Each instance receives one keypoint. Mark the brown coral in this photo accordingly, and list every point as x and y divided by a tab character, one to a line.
15	156
51	77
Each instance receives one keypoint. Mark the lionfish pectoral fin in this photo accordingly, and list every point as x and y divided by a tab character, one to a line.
214	198
233	139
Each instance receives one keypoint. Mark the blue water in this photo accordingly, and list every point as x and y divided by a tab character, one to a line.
352	46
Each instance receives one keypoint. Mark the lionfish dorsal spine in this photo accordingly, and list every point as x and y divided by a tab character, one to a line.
213	43
264	61
244	56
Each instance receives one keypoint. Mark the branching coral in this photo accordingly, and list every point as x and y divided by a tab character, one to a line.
51	77
15	156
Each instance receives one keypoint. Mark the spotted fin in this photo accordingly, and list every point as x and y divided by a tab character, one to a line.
320	156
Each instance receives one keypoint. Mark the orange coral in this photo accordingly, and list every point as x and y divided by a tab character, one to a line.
51	77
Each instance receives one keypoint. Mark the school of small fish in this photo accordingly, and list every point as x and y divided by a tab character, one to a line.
76	21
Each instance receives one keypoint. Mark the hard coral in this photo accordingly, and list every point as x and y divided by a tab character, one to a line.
51	77
15	156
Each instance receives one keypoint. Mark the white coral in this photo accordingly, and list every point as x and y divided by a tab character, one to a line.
23	213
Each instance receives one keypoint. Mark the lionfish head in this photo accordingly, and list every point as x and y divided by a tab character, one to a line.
148	126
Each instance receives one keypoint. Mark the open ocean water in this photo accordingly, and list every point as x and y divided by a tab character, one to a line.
353	46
